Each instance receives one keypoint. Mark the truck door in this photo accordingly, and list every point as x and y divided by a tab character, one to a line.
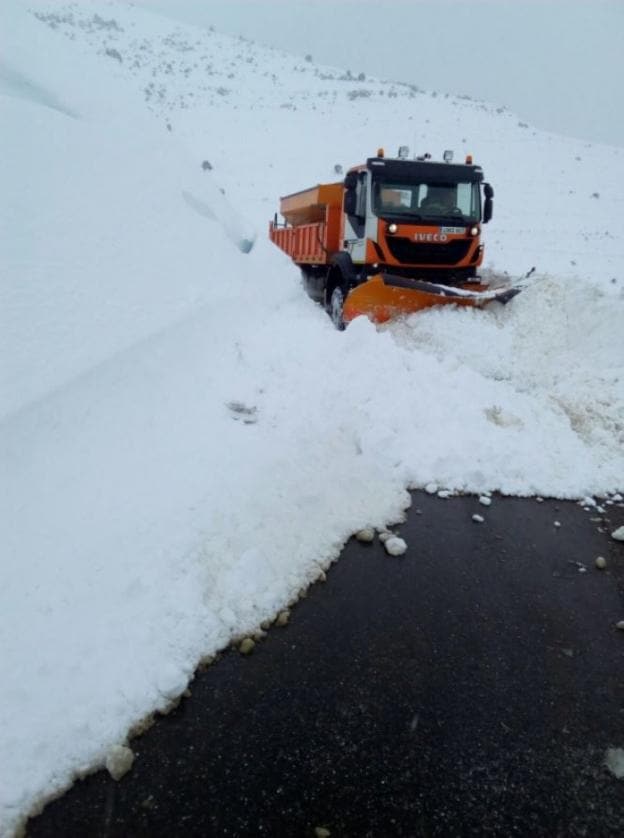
355	222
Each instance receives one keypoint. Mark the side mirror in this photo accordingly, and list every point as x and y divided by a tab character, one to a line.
350	181
488	207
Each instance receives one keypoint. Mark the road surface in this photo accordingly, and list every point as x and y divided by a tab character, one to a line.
470	687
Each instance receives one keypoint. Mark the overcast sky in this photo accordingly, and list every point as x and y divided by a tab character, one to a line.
558	63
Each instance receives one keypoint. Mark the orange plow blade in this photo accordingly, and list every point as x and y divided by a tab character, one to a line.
385	296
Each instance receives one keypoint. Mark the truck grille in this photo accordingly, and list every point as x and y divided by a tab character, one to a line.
417	253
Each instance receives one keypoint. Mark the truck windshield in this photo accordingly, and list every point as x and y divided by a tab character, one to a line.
457	202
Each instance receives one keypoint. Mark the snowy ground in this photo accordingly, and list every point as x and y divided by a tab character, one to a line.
186	441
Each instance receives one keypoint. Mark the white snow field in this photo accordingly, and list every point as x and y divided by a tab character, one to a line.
186	440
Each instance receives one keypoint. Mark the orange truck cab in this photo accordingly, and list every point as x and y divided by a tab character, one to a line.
391	233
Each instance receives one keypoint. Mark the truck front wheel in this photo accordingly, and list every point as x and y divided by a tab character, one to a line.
335	296
336	306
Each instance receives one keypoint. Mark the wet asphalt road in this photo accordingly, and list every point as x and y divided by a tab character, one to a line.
470	687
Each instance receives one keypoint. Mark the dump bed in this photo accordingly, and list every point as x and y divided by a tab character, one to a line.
308	206
311	233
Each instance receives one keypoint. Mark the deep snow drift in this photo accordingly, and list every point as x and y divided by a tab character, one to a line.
186	441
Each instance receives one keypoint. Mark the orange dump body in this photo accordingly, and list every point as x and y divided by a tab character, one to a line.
315	215
309	205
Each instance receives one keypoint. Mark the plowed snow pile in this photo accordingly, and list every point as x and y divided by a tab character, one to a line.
186	440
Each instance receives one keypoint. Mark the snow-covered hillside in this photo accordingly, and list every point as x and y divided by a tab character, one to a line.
186	441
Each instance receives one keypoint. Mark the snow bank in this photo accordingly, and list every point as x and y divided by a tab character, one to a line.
544	373
145	522
109	238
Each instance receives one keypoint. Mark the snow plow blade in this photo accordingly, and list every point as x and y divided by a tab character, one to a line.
385	296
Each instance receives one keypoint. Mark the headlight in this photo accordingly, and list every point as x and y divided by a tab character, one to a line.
392	228
474	231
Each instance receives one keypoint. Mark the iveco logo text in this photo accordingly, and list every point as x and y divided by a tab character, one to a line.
430	237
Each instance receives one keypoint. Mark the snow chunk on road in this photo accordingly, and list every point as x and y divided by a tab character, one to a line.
618	534
614	760
365	535
395	546
119	761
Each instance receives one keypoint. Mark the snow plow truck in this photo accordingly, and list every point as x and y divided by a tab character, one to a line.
396	236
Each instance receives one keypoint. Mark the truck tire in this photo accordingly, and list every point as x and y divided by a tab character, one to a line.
336	306
336	292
